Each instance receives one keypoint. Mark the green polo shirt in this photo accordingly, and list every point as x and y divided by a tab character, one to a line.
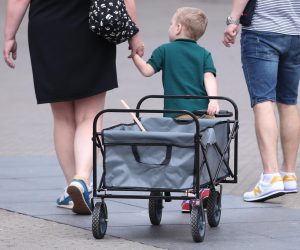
183	63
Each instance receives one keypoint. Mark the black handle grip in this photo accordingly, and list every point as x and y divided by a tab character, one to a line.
221	113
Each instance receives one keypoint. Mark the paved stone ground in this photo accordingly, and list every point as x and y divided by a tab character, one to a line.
243	225
26	232
26	141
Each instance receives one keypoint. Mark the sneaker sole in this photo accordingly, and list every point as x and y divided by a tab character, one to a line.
65	206
80	206
184	211
267	197
293	191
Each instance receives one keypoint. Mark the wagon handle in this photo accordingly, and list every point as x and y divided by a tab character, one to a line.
138	106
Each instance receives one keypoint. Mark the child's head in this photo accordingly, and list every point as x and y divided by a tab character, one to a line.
188	22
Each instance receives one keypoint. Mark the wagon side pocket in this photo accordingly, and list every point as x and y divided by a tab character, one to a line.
148	160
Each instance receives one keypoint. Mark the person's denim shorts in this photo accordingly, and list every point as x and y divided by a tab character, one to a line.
271	64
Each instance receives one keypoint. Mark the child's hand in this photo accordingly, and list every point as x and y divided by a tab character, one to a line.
213	107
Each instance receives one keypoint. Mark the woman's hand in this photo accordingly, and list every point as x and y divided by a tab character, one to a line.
136	46
15	11
10	52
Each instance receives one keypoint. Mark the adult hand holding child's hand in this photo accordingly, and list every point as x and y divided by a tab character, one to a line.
136	46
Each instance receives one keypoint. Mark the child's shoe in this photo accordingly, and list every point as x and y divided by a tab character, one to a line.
204	193
186	205
289	182
65	200
80	194
269	186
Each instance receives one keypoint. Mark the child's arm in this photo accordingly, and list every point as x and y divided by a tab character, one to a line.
211	87
144	67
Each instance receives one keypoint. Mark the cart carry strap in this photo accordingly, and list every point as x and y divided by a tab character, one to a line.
166	161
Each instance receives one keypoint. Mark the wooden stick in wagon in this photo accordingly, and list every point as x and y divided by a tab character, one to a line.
134	117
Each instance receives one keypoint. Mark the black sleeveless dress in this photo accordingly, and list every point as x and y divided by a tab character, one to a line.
69	62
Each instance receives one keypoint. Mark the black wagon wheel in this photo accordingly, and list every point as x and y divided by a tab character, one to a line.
198	223
214	208
99	220
155	208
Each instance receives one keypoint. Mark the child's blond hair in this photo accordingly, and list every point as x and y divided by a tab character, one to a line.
194	21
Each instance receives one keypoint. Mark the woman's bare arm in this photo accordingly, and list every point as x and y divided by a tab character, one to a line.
135	43
15	12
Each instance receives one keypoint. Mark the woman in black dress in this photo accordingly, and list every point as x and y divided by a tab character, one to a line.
72	70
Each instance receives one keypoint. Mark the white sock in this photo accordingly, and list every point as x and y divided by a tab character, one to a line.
269	177
287	173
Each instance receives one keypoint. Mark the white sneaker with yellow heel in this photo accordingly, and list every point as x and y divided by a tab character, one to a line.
269	186
289	182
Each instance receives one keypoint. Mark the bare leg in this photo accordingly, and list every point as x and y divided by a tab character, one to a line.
270	184
267	135
290	135
64	132
85	111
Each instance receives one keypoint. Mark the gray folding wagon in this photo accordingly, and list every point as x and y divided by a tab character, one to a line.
174	157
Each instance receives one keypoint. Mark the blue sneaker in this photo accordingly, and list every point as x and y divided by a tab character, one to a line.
81	196
65	200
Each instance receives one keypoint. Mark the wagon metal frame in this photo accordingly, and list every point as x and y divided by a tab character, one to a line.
158	195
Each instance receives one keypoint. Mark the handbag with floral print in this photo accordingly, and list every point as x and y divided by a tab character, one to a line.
110	20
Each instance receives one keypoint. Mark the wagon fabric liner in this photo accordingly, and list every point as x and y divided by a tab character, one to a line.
163	157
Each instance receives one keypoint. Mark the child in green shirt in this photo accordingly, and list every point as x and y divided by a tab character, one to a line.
188	68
